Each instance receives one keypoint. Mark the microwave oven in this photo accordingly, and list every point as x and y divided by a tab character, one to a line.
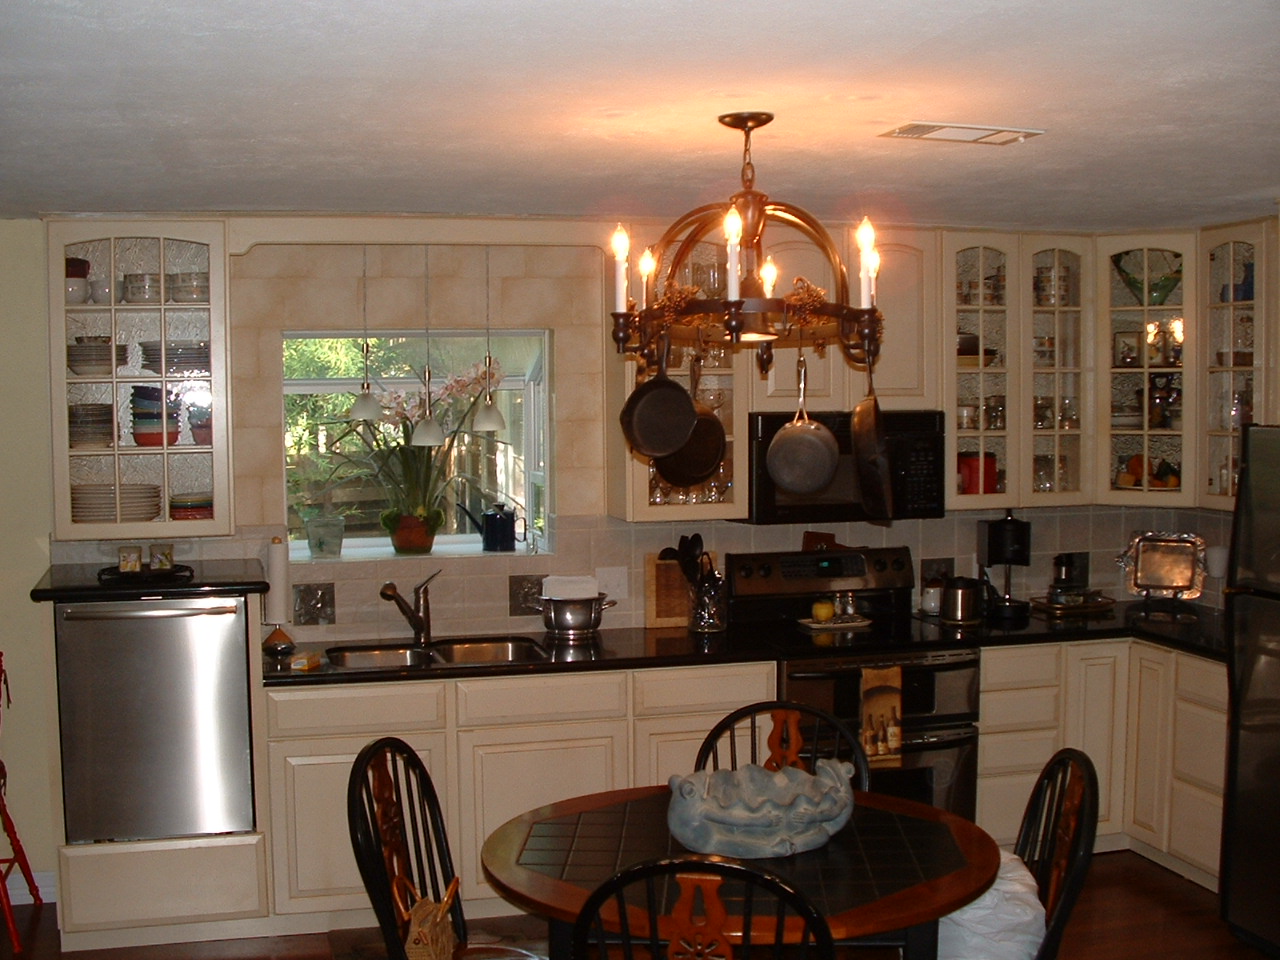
914	444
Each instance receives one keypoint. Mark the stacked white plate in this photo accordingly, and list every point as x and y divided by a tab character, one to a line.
96	502
94	359
91	425
179	356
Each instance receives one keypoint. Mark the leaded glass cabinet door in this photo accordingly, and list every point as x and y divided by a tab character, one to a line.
982	367
1055	403
1234	353
138	374
1148	403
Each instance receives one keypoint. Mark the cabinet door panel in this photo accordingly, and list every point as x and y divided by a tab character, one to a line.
1147	763
502	772
1097	679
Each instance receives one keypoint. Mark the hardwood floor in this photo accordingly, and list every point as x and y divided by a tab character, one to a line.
1130	909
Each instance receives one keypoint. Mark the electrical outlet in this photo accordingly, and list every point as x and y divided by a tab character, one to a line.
313	604
523	594
613	582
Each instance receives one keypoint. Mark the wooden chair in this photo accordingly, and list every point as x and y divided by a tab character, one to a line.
398	837
1055	840
780	733
699	906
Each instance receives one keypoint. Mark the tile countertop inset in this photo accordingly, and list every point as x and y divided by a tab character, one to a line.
631	648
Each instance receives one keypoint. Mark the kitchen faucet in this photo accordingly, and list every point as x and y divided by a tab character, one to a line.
418	615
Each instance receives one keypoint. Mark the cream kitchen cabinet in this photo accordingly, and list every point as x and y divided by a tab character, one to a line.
313	736
1147	291
526	741
1020	727
1036	699
674	707
1178	760
139	379
1236	304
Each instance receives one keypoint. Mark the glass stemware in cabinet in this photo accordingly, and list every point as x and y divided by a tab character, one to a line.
1231	361
1056	372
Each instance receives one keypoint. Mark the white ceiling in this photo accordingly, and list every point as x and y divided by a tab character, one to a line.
1159	113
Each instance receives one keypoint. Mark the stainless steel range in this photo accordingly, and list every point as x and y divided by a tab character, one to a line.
773	594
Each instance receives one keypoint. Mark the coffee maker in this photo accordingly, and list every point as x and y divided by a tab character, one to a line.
1006	542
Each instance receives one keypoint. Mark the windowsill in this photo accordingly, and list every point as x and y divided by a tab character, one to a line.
363	550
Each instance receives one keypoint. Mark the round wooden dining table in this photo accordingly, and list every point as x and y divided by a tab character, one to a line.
890	873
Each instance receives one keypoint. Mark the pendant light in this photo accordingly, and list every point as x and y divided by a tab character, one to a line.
488	417
366	406
428	432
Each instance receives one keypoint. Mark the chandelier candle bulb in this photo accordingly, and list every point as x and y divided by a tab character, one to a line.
621	248
648	267
866	237
733	234
769	276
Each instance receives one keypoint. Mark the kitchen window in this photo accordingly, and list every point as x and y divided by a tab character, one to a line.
328	468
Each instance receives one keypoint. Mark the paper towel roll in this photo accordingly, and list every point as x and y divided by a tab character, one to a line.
277	602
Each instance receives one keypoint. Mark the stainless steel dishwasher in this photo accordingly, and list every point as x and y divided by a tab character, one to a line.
153	702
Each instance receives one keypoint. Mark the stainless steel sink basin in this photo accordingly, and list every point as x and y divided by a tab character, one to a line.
379	656
488	650
464	650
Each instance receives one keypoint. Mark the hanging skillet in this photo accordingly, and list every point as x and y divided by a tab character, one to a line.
659	416
803	455
697	461
869	454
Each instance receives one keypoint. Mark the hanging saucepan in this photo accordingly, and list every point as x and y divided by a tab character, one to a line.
659	415
870	456
803	455
697	461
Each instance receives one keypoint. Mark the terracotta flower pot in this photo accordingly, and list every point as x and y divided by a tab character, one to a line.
413	535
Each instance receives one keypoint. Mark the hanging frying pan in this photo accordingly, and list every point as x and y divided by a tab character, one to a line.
659	416
869	454
803	455
697	461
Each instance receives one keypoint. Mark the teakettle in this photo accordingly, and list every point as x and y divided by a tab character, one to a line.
498	529
964	600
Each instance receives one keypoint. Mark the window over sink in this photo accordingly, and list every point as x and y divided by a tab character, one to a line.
335	467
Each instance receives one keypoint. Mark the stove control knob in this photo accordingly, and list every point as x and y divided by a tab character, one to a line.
899	564
766	570
745	571
880	566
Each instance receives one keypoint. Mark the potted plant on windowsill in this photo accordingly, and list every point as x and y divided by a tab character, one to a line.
419	480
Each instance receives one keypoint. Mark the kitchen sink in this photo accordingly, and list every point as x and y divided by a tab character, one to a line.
464	650
379	656
488	650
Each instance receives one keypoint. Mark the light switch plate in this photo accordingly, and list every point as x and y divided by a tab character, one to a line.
613	582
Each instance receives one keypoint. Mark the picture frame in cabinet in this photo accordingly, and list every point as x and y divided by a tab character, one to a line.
1126	349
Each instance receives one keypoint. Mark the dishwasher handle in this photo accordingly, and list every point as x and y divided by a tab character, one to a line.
157	612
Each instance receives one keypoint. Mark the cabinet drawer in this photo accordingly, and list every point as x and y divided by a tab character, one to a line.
675	690
1195	827
1028	709
367	708
1199	745
1022	752
1202	681
581	696
1018	667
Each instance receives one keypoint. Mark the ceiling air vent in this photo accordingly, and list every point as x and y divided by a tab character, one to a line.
962	133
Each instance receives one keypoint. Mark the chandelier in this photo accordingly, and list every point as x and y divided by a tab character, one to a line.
748	310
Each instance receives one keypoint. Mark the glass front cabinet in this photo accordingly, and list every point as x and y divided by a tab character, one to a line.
1233	359
139	379
1147	398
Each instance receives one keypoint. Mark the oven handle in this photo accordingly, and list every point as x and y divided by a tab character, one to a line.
958	661
935	738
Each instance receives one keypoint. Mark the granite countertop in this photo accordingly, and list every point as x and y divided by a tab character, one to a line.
631	648
79	582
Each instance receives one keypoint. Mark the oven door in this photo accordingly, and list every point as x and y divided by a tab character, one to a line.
938	767
938	689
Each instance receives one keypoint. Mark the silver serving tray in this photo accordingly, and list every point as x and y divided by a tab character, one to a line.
1165	565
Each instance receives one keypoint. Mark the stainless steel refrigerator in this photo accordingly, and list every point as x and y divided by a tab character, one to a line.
1251	818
